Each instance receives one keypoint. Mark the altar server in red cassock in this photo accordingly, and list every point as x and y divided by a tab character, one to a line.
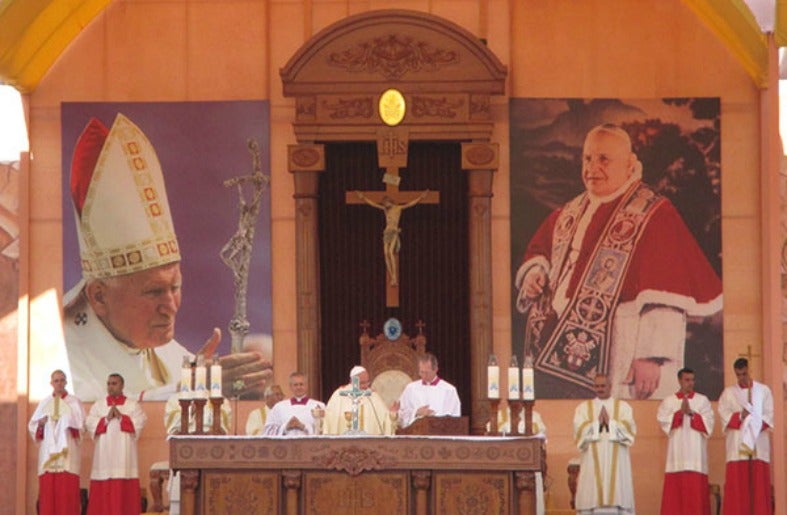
115	423
746	411
57	425
687	419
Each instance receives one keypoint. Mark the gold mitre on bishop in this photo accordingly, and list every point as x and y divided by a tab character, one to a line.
123	220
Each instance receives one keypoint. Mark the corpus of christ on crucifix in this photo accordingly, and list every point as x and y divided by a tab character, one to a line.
392	155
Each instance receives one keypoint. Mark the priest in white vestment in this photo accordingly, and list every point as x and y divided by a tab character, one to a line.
374	417
604	429
429	396
746	411
57	425
687	420
115	424
297	416
255	423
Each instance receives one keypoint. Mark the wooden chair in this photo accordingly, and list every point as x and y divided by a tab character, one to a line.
392	364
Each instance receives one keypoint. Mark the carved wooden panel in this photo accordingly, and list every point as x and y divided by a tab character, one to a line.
355	456
486	494
380	354
362	52
241	492
358	495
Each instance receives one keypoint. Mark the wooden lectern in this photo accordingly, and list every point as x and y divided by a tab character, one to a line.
441	426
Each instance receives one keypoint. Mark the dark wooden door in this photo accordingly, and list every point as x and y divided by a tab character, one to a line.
433	260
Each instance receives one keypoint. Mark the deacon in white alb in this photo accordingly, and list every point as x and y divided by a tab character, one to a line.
296	415
429	396
604	429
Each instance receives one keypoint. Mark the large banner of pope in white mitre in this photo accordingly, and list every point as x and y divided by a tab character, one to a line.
616	243
163	167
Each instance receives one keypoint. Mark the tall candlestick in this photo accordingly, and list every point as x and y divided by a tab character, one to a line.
513	379
200	379
528	380
185	379
493	378
215	380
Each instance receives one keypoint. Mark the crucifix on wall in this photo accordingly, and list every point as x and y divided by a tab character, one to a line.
392	155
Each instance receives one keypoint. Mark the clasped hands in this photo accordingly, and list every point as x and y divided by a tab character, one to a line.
113	413
295	423
685	408
603	420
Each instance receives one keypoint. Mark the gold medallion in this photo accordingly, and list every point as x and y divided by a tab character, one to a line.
392	107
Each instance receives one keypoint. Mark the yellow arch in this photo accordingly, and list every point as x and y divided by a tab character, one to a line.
33	34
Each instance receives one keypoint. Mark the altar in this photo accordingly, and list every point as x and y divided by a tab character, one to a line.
357	475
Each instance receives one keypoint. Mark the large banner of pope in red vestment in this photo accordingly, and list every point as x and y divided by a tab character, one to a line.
150	181
616	243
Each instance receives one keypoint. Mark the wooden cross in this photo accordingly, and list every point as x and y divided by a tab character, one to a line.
748	355
392	155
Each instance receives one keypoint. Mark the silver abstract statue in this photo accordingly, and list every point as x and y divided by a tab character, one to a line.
236	253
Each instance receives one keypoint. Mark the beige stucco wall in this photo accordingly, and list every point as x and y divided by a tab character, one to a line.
173	50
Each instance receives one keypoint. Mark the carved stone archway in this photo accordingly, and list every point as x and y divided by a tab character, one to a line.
447	77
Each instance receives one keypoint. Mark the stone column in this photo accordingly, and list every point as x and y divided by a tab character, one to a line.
480	161
306	162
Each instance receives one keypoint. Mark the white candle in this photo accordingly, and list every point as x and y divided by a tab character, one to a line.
513	383
215	381
528	384
493	381
185	383
200	382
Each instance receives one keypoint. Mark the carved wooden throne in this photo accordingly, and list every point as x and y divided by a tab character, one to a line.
391	363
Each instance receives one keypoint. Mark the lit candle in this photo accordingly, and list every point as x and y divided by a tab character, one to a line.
493	378
528	381
200	381
215	380
185	379
513	379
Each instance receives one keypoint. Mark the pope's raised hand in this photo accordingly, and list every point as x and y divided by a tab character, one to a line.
243	374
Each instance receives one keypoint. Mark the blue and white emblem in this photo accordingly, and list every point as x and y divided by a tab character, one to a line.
392	329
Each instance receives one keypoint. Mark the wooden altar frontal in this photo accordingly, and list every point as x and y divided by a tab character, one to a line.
419	475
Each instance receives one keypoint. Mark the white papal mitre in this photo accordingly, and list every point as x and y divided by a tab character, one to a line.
122	213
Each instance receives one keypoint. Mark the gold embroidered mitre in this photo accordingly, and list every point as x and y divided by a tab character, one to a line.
122	213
